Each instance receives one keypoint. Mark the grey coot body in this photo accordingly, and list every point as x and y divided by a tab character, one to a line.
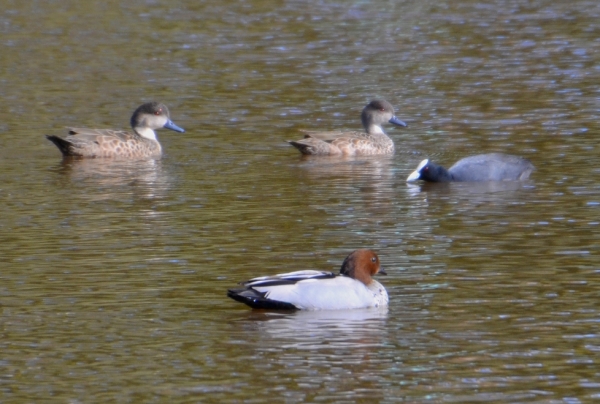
483	167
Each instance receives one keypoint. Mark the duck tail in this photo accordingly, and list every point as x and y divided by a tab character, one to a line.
303	147
257	300
63	145
311	145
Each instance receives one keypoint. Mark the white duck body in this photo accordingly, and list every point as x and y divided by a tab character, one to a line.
353	288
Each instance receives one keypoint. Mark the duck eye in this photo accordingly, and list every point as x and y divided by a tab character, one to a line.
373	260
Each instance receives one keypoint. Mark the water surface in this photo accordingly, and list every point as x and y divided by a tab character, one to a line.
114	276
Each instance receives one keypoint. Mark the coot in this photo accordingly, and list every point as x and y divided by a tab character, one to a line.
483	167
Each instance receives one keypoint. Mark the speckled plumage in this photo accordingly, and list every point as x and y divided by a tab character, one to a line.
141	143
371	142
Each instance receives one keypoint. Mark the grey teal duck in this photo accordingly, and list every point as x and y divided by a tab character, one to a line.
371	142
141	143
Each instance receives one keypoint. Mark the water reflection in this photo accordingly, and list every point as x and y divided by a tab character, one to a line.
145	178
324	329
376	168
470	189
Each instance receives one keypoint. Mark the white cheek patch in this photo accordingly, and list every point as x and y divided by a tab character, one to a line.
376	130
147	133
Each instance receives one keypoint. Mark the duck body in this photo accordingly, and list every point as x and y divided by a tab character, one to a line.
373	141
93	143
479	168
353	288
141	143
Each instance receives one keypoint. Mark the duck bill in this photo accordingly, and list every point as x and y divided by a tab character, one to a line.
381	271
172	126
414	176
397	121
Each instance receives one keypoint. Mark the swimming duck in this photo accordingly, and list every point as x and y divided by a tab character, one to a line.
141	143
483	167
352	288
373	142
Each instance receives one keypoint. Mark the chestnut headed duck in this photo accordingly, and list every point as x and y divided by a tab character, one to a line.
352	288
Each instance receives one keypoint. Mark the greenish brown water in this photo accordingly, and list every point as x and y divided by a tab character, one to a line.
113	279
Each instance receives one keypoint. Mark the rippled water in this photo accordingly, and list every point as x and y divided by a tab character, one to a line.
114	276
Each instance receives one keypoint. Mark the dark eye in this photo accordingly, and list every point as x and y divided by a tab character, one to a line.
373	260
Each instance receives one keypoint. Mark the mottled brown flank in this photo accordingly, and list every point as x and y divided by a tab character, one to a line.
362	145
106	143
